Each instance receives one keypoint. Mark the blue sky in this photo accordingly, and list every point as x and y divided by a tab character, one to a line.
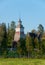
31	12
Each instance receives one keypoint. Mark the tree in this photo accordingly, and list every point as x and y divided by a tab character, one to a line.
1	34
33	31
12	29
40	34
41	29
29	45
21	47
43	46
36	49
36	41
11	32
3	37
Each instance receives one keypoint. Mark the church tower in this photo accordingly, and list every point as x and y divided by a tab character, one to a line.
19	32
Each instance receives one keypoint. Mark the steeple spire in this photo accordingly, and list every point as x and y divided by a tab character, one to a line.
20	22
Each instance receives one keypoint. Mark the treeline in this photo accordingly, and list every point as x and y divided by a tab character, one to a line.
29	47
6	36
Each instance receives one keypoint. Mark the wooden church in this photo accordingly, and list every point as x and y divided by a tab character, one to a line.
19	33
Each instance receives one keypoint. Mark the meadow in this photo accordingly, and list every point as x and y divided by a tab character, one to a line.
21	61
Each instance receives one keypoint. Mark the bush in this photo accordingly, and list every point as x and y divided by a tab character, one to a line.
12	54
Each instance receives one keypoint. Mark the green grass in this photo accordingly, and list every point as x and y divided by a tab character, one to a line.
12	61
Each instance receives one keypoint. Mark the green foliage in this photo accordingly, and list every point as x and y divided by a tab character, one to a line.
28	47
21	47
3	38
41	28
36	41
12	54
33	31
43	46
11	32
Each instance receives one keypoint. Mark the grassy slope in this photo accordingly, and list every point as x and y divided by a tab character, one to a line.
12	61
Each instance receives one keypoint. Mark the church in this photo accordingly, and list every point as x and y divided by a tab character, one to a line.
19	34
19	31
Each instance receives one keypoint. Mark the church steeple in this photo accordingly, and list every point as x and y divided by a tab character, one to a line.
19	24
19	31
19	21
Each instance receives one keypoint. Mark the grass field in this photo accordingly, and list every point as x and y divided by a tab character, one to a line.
11	61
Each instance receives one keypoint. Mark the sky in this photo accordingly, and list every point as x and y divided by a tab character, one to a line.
31	12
